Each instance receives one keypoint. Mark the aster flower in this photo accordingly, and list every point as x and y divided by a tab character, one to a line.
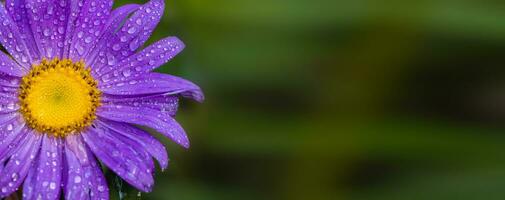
74	85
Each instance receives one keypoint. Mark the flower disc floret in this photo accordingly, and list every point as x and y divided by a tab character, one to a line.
59	97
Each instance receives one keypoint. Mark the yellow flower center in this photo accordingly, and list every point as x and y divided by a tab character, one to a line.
59	97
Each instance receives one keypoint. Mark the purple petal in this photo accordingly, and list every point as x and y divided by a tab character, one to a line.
9	90
44	179
132	35
8	99
11	40
116	19
145	61
144	139
89	26
144	157
49	20
9	67
8	103
17	10
12	130
19	163
74	10
9	81
84	176
120	157
74	143
158	120
8	117
153	83
159	102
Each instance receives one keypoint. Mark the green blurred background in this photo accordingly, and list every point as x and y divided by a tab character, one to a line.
332	99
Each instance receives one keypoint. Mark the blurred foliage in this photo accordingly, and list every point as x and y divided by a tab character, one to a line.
331	99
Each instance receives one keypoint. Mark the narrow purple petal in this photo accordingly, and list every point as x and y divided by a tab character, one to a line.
144	156
89	26
19	163
49	20
12	130
159	102
132	35
8	95
74	10
9	67
146	60
9	81
153	83
114	22
144	139
7	117
17	10
74	143
11	40
121	158
8	99
8	102
158	120
44	179
84	178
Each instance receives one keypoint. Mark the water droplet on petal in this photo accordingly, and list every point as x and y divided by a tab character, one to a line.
132	30
77	179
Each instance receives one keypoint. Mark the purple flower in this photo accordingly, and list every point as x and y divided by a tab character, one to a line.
73	86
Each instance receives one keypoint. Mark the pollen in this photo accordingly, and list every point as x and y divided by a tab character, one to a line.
59	97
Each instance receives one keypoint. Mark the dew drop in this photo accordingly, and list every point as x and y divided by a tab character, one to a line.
111	60
127	73
47	32
77	179
87	40
116	47
14	176
52	185
79	48
132	30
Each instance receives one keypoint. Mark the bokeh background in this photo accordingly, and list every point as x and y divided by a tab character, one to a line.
334	99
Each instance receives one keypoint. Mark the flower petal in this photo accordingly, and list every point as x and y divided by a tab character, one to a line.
11	68
9	81
84	176
17	10
158	120
11	40
144	139
74	11
146	60
12	130
120	157
89	26
154	83
8	102
116	19
19	163
49	20
144	157
132	35
161	102
44	179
